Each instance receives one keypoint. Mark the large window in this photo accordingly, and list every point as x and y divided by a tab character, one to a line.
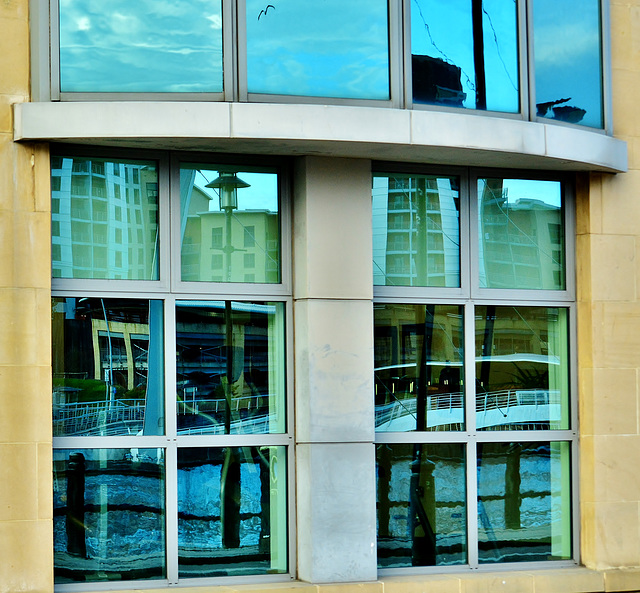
171	418
530	58
475	412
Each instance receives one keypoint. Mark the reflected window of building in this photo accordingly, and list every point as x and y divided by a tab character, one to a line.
568	61
521	234
147	46
83	249
327	49
239	209
171	434
416	230
476	65
462	376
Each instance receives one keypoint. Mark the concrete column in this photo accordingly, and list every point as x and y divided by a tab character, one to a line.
335	456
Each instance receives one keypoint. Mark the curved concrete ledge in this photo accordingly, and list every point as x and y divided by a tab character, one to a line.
294	129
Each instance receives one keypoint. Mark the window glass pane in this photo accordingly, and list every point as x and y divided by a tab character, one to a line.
418	367
568	62
105	220
422	505
322	49
169	46
521	234
465	54
522	368
108	514
233	212
230	367
101	355
416	230
232	511
524	502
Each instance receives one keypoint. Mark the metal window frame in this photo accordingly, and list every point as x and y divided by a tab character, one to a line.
169	293
470	297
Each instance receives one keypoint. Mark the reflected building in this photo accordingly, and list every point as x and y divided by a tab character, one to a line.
521	241
416	220
110	210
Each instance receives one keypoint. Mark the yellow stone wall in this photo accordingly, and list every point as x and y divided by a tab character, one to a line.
25	417
608	245
608	242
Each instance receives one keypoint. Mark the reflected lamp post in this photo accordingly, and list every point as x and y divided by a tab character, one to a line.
227	185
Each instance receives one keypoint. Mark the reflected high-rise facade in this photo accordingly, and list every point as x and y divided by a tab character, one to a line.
110	209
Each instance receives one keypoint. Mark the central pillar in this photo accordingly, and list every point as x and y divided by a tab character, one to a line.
333	314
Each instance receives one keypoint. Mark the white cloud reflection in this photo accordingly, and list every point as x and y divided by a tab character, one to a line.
141	46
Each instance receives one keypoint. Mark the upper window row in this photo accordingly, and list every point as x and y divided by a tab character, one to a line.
107	222
476	54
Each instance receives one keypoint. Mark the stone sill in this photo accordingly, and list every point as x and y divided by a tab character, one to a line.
563	580
326	130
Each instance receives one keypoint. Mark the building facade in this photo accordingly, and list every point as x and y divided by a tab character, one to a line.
319	296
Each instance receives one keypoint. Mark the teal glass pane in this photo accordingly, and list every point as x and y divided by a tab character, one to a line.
464	53
108	515
322	49
524	502
419	371
522	368
104	218
421	504
521	234
232	511
230	365
416	230
146	46
108	360
229	224
568	61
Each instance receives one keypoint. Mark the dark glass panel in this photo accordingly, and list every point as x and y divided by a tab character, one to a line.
422	508
323	49
146	46
108	514
228	214
568	61
230	367
102	354
232	507
522	368
524	502
419	370
101	227
465	54
416	230
521	234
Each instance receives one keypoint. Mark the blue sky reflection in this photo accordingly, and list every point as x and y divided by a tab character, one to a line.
567	53
444	30
141	46
326	48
